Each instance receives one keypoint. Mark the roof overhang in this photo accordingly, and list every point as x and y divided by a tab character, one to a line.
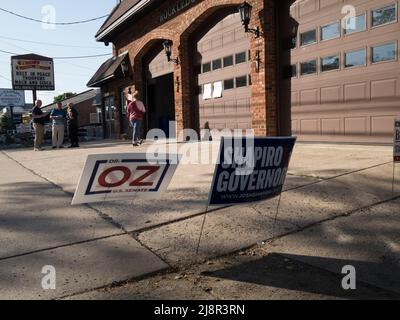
127	15
107	71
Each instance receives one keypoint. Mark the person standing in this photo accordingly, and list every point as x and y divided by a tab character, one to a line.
136	111
38	117
58	116
72	120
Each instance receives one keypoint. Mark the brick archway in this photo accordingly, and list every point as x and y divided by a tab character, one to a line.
212	12
264	90
179	29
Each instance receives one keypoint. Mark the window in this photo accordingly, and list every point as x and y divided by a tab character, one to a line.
294	41
384	52
355	58
356	24
206	67
123	102
294	70
229	84
240	57
250	82
384	15
217	64
207	91
228	61
330	63
308	37
330	31
308	67
217	91
241	82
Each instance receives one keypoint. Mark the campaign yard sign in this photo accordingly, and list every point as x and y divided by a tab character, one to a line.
397	141
112	177
250	169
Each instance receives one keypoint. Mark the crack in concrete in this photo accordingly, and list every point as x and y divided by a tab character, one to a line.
170	269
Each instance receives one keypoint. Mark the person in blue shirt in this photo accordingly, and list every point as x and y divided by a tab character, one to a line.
58	117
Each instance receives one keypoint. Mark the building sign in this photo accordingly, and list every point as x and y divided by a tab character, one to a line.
32	72
9	97
113	177
250	172
397	141
175	9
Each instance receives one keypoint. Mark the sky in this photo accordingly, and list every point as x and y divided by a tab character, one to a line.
70	75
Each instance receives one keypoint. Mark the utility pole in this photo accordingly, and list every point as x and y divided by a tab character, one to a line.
34	94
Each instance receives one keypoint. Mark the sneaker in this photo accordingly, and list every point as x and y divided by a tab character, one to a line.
61	147
54	148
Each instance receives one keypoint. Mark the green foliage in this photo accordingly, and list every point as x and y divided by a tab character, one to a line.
64	96
5	123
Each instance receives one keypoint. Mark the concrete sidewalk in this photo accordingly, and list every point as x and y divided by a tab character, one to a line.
324	182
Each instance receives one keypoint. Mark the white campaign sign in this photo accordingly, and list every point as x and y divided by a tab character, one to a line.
207	91
397	141
217	93
111	177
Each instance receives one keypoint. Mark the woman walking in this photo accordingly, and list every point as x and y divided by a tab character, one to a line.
136	111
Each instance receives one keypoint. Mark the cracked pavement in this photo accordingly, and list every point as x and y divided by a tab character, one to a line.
337	209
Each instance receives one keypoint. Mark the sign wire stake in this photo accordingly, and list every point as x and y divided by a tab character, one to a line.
394	178
276	215
201	233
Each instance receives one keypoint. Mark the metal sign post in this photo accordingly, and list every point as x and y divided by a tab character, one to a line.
396	150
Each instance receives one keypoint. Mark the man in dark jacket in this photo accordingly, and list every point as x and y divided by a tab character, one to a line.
38	117
72	119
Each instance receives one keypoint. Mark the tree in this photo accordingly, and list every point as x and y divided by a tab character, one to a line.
64	96
5	123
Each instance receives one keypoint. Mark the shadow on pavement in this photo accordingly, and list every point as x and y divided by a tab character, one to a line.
277	271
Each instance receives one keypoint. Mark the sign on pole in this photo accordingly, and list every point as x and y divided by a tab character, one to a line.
250	169
396	157
9	97
32	72
112	177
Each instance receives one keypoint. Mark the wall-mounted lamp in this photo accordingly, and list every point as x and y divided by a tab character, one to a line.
168	51
124	68
245	14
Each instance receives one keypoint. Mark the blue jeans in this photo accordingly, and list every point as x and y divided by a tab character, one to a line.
137	127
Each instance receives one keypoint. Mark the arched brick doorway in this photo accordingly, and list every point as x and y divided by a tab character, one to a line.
154	78
192	74
222	62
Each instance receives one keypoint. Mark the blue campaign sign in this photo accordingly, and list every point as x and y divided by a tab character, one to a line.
250	169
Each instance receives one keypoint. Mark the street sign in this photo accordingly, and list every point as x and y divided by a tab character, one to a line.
112	177
32	72
250	169
396	157
10	97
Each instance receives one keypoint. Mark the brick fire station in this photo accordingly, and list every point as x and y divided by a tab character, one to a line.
203	63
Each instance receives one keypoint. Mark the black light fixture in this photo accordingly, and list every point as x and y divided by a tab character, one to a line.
124	68
168	51
245	15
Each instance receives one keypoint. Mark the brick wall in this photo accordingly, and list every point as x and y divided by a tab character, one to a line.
143	34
